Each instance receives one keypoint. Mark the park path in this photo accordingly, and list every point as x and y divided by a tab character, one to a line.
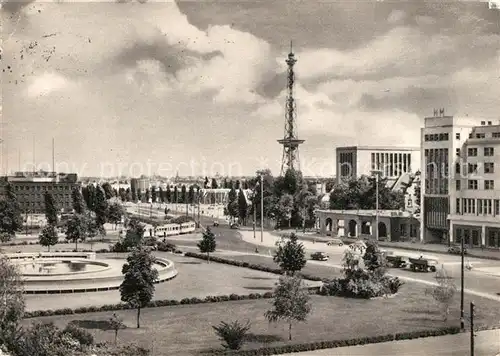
487	343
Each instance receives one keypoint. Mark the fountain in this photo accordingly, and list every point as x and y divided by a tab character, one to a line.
72	272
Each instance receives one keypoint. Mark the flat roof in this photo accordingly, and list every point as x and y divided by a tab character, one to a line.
379	148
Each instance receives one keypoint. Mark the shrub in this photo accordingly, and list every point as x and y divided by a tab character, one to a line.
166	246
232	334
118	247
83	336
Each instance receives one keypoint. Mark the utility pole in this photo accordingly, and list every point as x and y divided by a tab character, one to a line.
261	208
199	222
472	329
254	216
462	321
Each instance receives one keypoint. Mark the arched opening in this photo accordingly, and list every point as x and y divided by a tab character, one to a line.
382	230
352	228
365	228
329	225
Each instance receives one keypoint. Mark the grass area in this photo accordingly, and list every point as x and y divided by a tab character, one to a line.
186	329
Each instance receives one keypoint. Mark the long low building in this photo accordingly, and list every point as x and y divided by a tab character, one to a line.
394	225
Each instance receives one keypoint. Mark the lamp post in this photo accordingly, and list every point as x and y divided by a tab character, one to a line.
462	322
261	208
376	172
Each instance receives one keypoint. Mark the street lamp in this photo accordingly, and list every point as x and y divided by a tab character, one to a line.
376	173
261	209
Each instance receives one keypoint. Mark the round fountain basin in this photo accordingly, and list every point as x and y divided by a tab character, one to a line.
69	272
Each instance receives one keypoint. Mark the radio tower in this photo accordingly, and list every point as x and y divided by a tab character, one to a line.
290	141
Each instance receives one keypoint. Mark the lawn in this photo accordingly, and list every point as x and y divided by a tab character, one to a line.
186	329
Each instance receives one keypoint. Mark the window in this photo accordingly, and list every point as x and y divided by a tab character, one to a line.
497	207
457	206
413	230
495	134
457	168
489	184
480	135
402	229
489	167
457	151
472	168
488	151
472	152
426	137
472	184
457	135
457	185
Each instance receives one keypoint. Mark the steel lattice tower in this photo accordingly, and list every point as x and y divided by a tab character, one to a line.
290	141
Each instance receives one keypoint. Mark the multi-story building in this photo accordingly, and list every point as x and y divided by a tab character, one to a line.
355	161
453	153
30	188
140	184
475	199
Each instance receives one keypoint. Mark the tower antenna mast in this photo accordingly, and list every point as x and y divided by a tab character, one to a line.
290	141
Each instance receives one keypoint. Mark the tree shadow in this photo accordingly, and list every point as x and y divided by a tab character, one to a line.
259	278
422	311
94	324
259	288
263	338
189	263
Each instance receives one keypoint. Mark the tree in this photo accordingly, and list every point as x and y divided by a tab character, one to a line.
242	206
232	205
161	195
373	257
101	209
190	198
225	184
133	195
48	236
444	292
12	301
284	208
237	186
78	227
116	324
50	209
108	190
233	334
205	183
122	193
115	213
291	302
11	220
214	184
183	194
78	202
89	193
176	195
138	286
290	255
135	234
207	243
154	195
147	196
168	195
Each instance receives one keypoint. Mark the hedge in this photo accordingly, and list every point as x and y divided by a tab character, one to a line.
152	304
284	349
248	265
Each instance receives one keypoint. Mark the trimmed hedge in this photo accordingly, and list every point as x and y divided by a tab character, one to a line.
284	349
152	304
248	265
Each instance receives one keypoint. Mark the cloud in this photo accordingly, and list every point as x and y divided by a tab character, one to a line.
45	84
396	16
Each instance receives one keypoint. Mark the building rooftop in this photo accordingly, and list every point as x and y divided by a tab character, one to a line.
380	148
384	213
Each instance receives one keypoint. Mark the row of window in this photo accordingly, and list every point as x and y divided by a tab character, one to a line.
472	151
403	230
473	184
477	206
437	137
472	237
41	204
41	187
58	196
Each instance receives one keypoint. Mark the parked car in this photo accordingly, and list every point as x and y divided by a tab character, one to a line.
456	250
319	256
216	223
235	226
335	242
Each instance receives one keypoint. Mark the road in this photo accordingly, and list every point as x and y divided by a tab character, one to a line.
487	343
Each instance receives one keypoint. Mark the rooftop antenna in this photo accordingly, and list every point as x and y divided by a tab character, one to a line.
33	153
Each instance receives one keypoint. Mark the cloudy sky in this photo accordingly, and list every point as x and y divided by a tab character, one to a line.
198	87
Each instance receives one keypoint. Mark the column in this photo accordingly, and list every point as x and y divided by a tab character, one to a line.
335	226
483	236
451	233
322	225
346	228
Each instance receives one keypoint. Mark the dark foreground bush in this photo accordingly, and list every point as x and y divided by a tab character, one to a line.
233	334
361	287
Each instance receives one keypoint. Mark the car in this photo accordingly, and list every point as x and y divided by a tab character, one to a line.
456	250
234	226
319	256
335	242
216	223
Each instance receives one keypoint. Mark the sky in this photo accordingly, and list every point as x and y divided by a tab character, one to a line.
198	88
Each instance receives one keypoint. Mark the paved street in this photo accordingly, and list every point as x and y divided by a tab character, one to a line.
487	343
